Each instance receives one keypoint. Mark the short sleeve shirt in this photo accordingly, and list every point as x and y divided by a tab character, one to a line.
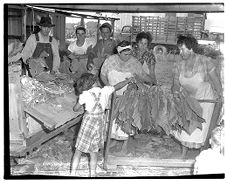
88	100
113	63
80	50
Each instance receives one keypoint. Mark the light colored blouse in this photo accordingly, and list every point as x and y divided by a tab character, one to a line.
87	99
114	63
80	50
202	65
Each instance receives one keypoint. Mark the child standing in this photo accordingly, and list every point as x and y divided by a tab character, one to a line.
212	160
91	134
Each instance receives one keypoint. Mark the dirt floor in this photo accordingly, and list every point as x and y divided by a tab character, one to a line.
54	157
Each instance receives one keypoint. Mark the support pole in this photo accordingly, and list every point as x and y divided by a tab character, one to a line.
98	25
24	25
109	131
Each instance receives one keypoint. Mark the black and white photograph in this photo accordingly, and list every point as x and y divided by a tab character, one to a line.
113	90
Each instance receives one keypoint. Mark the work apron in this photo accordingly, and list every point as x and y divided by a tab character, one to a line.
40	47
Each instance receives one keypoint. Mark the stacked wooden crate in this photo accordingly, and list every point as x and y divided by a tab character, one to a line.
166	29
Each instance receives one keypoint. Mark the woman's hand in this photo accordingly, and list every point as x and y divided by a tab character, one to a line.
137	78
78	108
74	56
90	66
131	80
71	56
106	56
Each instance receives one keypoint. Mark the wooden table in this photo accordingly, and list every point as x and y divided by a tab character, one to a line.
53	120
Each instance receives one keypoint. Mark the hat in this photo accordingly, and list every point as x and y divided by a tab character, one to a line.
45	22
106	25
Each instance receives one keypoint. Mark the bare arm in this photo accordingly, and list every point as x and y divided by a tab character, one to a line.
76	56
123	83
176	84
29	48
77	107
104	79
56	58
216	82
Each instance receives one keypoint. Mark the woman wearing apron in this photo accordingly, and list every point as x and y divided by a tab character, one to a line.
116	69
195	75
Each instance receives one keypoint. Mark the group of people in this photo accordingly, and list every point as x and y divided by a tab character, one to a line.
117	65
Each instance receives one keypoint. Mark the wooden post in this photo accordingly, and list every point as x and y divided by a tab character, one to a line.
59	30
175	38
167	28
82	21
24	25
214	121
98	25
113	26
185	25
157	26
109	131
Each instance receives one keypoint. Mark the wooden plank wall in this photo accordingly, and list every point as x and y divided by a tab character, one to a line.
14	23
59	32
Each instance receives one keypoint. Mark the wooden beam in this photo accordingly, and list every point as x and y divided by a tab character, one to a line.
87	16
141	161
41	137
140	7
24	25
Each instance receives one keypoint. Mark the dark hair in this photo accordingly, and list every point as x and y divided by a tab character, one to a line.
85	82
106	25
189	41
123	43
144	35
80	28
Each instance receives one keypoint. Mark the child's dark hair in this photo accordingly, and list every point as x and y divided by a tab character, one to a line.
85	82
